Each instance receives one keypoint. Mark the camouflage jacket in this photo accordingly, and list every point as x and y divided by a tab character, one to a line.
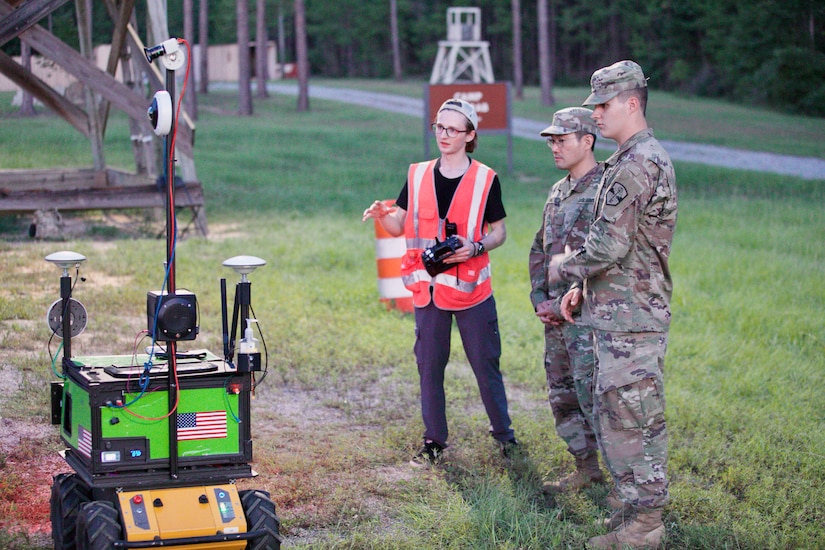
624	259
568	213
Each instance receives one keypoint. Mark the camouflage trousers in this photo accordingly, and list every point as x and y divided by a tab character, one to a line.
629	409
568	364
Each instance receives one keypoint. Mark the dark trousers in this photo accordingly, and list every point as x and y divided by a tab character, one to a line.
478	327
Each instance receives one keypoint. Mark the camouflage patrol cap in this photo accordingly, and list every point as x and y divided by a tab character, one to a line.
608	82
571	120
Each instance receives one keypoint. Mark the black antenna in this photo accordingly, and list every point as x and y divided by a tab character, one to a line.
227	354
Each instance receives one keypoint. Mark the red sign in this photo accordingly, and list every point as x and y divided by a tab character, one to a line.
490	102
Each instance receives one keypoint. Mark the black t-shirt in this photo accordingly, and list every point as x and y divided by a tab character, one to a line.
445	189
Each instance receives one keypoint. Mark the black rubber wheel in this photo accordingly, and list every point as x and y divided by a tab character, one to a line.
98	526
260	515
68	495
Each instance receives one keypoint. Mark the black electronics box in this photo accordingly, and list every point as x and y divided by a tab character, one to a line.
177	315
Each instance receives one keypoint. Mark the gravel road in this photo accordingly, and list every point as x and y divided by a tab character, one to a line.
803	167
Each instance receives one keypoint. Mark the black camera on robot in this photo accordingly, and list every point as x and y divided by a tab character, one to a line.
434	256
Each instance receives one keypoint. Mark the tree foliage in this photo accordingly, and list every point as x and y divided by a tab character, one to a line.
757	51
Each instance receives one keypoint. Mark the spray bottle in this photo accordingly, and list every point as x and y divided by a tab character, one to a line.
249	358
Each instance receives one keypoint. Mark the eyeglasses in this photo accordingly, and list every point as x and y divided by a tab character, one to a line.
558	141
451	132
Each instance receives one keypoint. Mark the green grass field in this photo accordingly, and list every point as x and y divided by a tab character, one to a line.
745	370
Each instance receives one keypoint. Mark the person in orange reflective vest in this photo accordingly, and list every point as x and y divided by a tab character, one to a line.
456	195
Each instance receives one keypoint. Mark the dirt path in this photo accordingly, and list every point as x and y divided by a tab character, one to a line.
803	167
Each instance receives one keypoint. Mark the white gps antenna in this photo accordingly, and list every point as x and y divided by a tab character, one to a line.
65	259
244	265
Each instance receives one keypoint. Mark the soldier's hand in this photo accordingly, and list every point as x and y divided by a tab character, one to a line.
569	303
545	313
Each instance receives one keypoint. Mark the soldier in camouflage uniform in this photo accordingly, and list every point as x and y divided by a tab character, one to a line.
627	291
568	347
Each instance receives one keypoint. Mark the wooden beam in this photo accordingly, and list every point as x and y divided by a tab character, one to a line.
70	112
121	18
87	197
28	14
23	191
99	199
62	179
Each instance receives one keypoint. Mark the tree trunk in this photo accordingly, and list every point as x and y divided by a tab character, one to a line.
614	51
396	48
281	38
518	72
302	57
554	54
545	77
244	64
812	27
261	52
203	42
190	99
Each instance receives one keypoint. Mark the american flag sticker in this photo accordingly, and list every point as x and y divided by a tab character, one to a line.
201	425
84	442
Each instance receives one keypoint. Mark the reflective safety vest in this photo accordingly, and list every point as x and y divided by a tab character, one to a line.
463	285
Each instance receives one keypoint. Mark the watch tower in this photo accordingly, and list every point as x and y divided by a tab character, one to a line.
463	56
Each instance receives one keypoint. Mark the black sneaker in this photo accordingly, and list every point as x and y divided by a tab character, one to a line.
429	455
509	448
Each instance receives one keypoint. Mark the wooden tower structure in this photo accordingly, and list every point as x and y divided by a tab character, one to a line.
97	187
464	54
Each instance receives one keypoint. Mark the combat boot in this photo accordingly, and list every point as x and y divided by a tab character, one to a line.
644	530
587	473
620	516
612	499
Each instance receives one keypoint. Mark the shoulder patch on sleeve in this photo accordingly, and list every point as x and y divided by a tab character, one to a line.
616	194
